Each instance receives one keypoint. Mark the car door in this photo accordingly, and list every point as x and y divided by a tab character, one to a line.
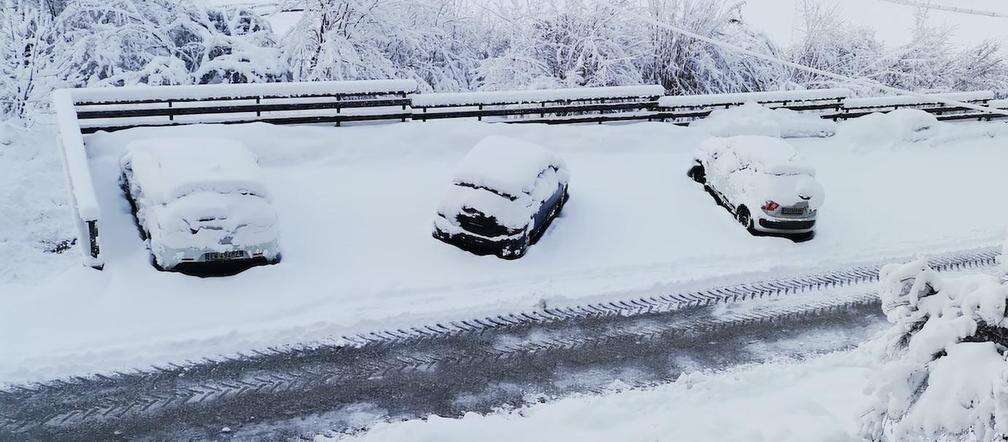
547	180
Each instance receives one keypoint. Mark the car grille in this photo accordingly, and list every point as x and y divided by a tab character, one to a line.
481	225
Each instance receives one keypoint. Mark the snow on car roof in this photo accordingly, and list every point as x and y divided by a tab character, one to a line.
767	154
506	165
166	169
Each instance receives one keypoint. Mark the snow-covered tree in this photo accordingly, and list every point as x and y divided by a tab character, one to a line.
685	65
27	57
564	43
945	374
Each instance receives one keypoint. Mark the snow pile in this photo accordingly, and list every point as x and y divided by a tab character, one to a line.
945	375
753	119
212	91
749	97
916	100
535	96
169	168
36	229
506	165
889	129
815	399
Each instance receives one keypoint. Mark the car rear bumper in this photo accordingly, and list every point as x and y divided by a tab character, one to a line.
265	253
781	225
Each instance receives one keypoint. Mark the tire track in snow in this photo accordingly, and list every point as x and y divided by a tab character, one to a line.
277	382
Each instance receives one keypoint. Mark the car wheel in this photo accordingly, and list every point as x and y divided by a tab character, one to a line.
745	219
696	173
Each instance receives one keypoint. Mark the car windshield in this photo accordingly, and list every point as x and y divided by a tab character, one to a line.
507	196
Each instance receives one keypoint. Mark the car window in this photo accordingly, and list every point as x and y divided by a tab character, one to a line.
493	191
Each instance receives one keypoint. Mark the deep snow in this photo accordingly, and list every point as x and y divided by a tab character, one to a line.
356	205
786	400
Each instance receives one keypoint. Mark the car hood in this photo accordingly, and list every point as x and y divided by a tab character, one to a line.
507	213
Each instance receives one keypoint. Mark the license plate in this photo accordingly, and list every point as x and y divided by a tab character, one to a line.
223	256
793	210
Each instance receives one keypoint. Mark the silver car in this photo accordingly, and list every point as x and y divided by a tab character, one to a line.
199	201
761	181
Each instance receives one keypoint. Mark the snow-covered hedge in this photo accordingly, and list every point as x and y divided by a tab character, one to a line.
753	119
944	375
747	97
534	96
915	100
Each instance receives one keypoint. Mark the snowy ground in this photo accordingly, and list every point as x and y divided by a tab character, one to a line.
356	207
818	399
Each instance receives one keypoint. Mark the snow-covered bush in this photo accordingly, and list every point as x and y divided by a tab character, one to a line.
944	375
27	57
753	119
684	65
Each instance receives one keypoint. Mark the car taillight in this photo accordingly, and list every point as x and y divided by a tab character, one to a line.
770	206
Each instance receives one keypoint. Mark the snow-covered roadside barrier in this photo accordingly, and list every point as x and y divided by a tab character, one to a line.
75	163
536	96
945	373
737	99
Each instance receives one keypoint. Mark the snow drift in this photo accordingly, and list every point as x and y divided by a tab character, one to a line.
753	119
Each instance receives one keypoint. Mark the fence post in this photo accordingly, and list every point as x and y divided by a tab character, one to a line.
258	101
478	117
171	116
403	106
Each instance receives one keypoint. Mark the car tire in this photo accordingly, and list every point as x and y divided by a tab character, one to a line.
745	218
697	174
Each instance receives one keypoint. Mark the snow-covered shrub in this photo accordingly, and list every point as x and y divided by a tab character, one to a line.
125	42
27	57
564	44
684	65
944	375
753	119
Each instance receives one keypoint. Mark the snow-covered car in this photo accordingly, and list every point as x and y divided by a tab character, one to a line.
504	195
199	201
761	181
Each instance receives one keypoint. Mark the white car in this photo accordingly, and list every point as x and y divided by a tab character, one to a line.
199	201
504	195
761	181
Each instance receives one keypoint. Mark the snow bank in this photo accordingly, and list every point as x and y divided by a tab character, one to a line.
212	91
37	230
945	374
816	399
916	100
753	119
507	165
166	169
747	97
534	96
888	129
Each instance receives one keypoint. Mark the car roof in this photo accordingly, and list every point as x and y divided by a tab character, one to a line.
166	169
506	165
763	153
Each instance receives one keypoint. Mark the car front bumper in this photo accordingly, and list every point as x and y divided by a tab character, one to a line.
477	244
785	225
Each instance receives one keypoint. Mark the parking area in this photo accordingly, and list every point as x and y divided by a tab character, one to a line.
356	206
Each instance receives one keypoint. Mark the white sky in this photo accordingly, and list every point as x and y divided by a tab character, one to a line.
891	22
